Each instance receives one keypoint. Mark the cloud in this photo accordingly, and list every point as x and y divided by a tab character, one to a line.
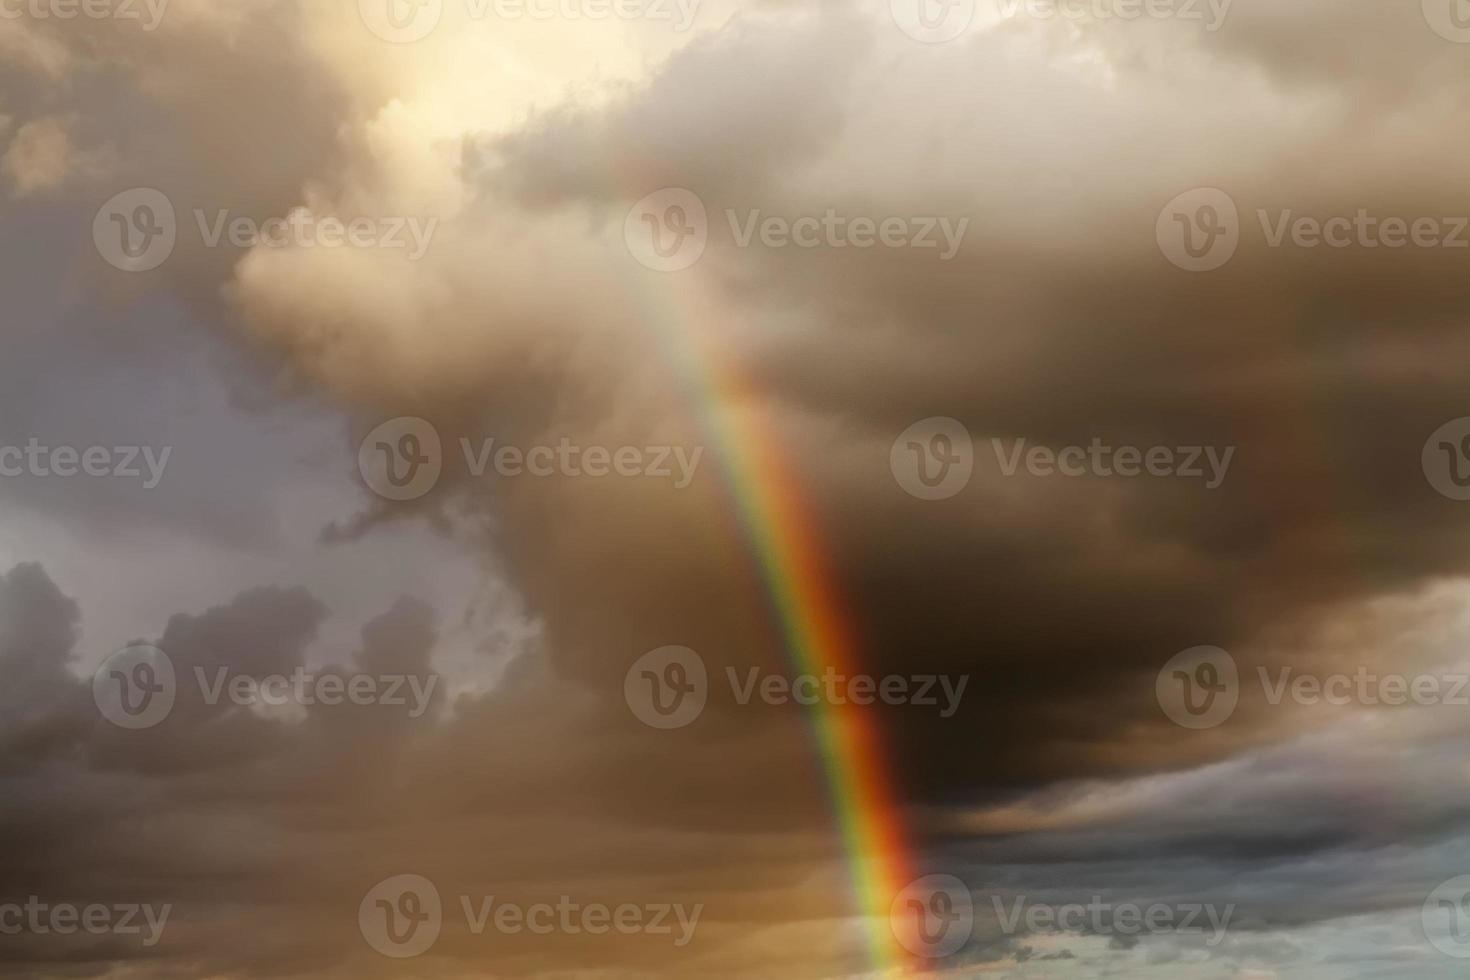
526	320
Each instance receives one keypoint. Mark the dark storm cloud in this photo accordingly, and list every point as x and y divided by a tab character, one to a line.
281	825
1325	371
1059	321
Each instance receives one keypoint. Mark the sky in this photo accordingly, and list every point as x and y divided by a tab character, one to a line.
534	455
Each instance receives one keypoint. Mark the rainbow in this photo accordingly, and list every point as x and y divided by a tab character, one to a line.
783	533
